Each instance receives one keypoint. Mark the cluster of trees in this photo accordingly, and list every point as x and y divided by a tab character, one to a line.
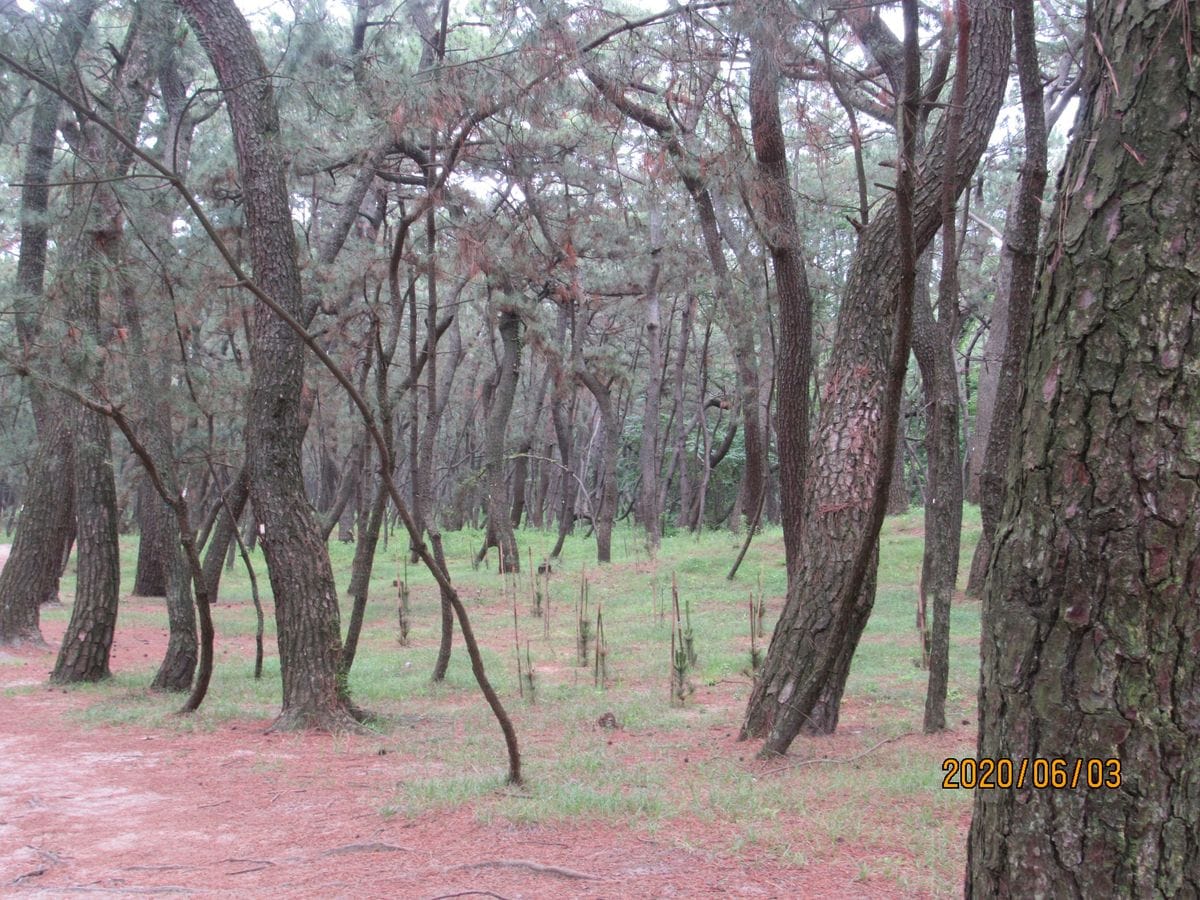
556	265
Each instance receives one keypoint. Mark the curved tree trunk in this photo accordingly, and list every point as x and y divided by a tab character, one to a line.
563	421
845	452
1092	606
306	606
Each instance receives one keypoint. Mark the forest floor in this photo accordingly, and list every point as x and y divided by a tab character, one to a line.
103	789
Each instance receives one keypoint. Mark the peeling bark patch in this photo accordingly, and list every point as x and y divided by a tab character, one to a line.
1051	384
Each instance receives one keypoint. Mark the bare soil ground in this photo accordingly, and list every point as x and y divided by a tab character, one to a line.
131	810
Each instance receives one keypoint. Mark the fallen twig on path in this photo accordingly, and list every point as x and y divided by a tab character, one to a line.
835	761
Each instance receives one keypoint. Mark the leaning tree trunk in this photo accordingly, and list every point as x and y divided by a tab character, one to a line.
306	604
1092	606
563	421
845	452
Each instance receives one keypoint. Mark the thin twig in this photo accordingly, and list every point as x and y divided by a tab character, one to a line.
838	762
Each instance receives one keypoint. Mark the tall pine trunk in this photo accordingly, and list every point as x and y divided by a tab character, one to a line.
1017	281
306	604
1092	608
46	525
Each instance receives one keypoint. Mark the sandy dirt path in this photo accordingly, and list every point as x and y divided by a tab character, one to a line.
131	811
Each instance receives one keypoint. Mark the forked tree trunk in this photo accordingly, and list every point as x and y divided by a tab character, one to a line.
845	452
1092	607
306	605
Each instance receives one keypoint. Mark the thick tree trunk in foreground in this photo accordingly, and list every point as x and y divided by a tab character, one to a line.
306	605
845	452
88	638
1092	607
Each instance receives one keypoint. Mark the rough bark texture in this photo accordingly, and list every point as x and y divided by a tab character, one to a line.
783	240
943	509
844	456
898	500
95	231
31	575
88	638
1092	607
46	524
306	606
155	544
87	641
1018	279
